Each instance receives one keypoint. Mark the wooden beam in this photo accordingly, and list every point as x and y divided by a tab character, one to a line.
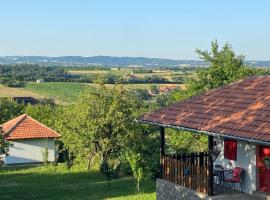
162	150
210	166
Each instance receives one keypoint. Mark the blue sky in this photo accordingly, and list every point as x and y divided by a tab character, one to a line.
149	28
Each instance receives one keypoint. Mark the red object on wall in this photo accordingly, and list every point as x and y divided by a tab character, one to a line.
264	173
230	149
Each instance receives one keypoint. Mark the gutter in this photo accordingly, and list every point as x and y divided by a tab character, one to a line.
206	132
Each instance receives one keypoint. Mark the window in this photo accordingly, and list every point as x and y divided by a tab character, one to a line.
230	149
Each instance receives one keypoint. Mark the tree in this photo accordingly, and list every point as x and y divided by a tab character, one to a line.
136	164
44	113
109	170
142	94
4	146
185	141
154	89
9	109
104	119
142	153
225	67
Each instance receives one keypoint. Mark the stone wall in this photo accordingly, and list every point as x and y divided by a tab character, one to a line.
169	191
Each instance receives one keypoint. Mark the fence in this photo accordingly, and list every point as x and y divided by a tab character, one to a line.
189	170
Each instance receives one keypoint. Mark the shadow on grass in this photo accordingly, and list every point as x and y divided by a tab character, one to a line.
20	184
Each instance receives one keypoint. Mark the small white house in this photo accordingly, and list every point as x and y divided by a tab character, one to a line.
32	141
40	80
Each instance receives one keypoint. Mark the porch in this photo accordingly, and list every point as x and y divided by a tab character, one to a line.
190	175
193	170
238	116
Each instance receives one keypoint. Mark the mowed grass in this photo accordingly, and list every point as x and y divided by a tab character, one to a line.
57	183
61	92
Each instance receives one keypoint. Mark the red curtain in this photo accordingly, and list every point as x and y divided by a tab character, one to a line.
230	149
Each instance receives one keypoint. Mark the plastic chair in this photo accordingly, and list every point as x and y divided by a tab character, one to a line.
235	177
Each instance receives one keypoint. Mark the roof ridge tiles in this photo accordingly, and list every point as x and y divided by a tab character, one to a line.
23	116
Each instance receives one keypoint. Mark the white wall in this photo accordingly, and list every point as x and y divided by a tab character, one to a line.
30	151
246	159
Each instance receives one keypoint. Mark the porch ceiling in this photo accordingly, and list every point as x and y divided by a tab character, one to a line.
240	110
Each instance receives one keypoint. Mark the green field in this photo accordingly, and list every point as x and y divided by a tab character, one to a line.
57	183
61	92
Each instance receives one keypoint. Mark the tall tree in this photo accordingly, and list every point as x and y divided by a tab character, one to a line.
100	122
225	66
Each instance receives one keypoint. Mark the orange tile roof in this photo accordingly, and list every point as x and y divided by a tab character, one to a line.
239	110
25	127
167	88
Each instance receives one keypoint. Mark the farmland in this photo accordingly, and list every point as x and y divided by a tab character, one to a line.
125	72
65	84
63	92
59	91
14	92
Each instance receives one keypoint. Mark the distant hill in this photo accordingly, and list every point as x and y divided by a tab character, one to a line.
111	61
99	61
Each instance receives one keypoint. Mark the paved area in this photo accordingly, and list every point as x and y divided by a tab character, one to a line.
233	195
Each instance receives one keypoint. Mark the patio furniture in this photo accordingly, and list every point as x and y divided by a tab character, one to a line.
234	177
219	172
216	173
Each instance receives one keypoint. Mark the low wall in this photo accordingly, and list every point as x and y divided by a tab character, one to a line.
169	191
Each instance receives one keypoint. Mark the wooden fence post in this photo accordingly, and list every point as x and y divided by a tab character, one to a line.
162	150
210	166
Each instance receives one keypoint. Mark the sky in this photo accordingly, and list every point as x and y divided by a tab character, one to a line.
148	28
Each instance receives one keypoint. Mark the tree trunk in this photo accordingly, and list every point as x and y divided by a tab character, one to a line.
138	186
89	161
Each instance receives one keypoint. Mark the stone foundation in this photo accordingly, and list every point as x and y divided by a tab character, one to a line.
169	191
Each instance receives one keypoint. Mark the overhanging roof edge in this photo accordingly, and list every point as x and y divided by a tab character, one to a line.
205	132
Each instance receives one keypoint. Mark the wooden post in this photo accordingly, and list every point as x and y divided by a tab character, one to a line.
162	150
210	166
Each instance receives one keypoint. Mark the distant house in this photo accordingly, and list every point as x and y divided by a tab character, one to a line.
30	139
115	68
40	81
166	88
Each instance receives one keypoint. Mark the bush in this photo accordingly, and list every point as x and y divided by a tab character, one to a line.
110	171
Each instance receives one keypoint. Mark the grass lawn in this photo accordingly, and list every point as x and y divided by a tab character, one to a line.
57	183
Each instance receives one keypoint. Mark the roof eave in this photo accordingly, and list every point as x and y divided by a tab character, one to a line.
206	132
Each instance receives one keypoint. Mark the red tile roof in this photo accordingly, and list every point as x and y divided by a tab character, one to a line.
25	127
167	88
239	110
